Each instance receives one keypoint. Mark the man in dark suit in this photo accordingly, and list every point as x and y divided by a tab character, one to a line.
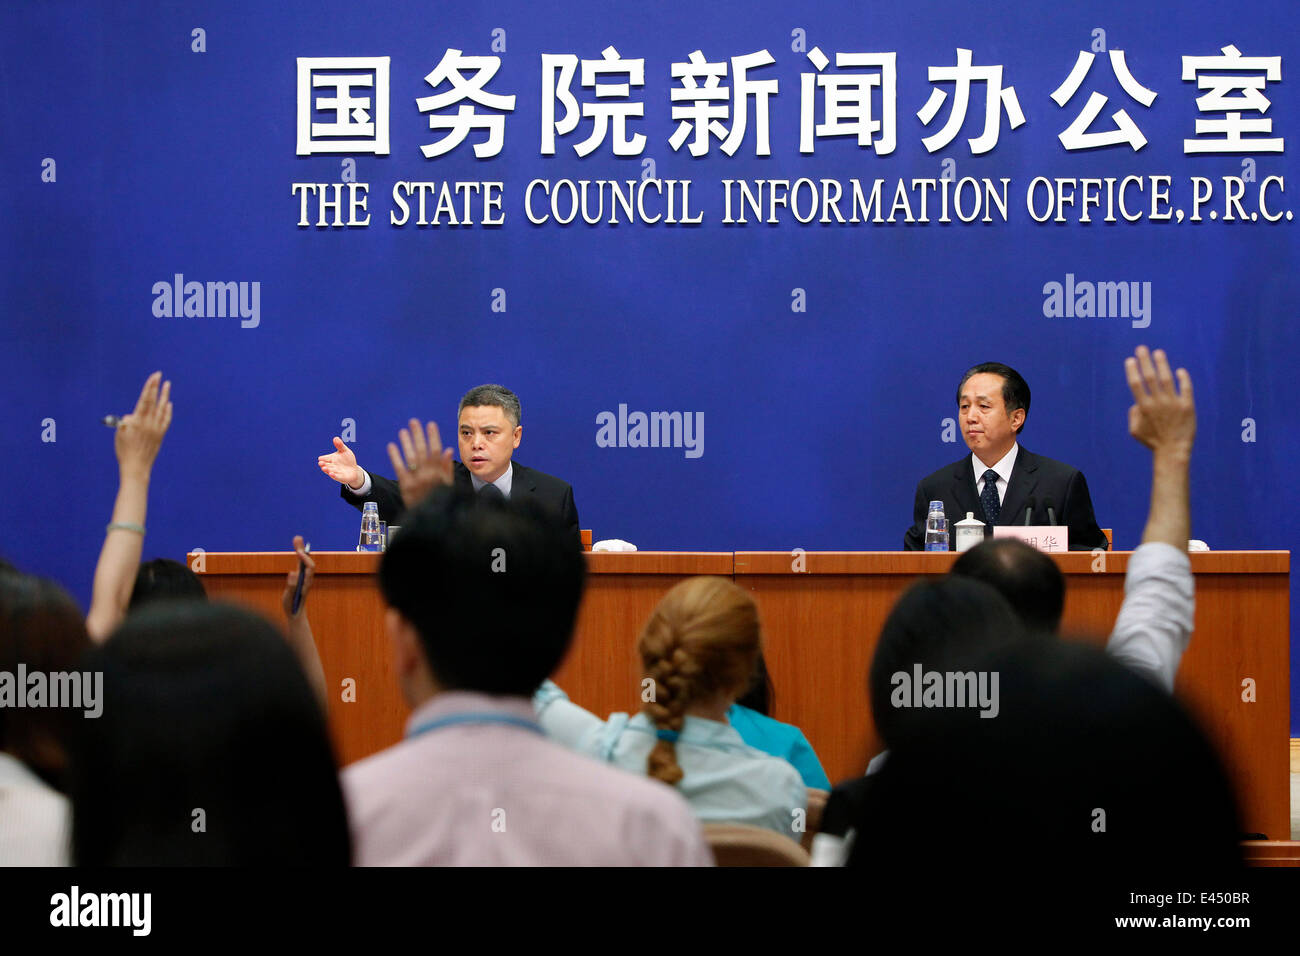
997	481
488	432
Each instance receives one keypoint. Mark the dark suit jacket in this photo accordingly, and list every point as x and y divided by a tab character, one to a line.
548	491
1033	475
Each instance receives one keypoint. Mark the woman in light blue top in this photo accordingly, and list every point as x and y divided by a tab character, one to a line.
751	717
699	650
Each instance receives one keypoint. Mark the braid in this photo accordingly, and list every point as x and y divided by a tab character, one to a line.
703	637
670	667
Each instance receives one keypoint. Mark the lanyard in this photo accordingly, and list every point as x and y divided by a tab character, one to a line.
483	718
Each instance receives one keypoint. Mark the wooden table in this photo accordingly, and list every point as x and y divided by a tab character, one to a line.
821	614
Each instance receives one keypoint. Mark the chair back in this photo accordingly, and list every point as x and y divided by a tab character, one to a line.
739	844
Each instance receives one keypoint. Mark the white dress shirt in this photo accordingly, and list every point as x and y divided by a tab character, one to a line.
1003	468
34	818
504	483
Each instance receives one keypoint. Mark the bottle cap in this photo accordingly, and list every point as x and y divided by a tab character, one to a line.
372	506
936	505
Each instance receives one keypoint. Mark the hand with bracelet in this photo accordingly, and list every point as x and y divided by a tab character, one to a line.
136	444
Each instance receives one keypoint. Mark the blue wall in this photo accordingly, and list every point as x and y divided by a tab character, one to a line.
818	422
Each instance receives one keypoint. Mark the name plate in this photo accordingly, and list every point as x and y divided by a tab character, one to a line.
1044	537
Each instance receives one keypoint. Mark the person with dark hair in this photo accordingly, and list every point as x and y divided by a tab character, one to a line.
482	597
999	479
751	716
698	652
1029	580
937	626
41	631
1094	767
211	749
163	579
489	431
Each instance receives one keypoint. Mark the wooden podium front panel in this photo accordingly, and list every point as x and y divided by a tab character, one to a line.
822	615
346	612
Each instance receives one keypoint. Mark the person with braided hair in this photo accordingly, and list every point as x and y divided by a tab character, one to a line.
699	651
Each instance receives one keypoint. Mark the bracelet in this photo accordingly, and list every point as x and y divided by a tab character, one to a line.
126	526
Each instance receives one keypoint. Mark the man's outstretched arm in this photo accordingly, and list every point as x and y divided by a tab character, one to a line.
357	486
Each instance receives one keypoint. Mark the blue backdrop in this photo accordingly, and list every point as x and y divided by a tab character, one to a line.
142	143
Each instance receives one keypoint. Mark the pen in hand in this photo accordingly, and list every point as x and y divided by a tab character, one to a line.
302	576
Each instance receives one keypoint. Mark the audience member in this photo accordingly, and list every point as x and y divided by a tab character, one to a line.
1030	581
41	629
482	601
698	651
1087	770
163	579
751	716
211	749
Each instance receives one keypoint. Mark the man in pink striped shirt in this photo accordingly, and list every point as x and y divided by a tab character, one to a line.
482	600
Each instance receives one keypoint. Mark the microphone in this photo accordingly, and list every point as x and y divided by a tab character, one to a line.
1029	511
1051	512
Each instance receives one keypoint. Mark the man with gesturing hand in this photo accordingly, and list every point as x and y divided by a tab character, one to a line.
489	430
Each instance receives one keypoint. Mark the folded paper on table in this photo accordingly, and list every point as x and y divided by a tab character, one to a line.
613	544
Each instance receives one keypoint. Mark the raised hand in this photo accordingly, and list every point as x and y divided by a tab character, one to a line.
291	582
1164	416
426	466
136	442
342	465
298	627
140	434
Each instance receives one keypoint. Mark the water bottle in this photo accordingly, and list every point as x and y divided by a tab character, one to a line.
936	528
370	540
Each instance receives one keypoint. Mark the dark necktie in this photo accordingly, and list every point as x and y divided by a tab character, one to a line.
989	497
490	494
